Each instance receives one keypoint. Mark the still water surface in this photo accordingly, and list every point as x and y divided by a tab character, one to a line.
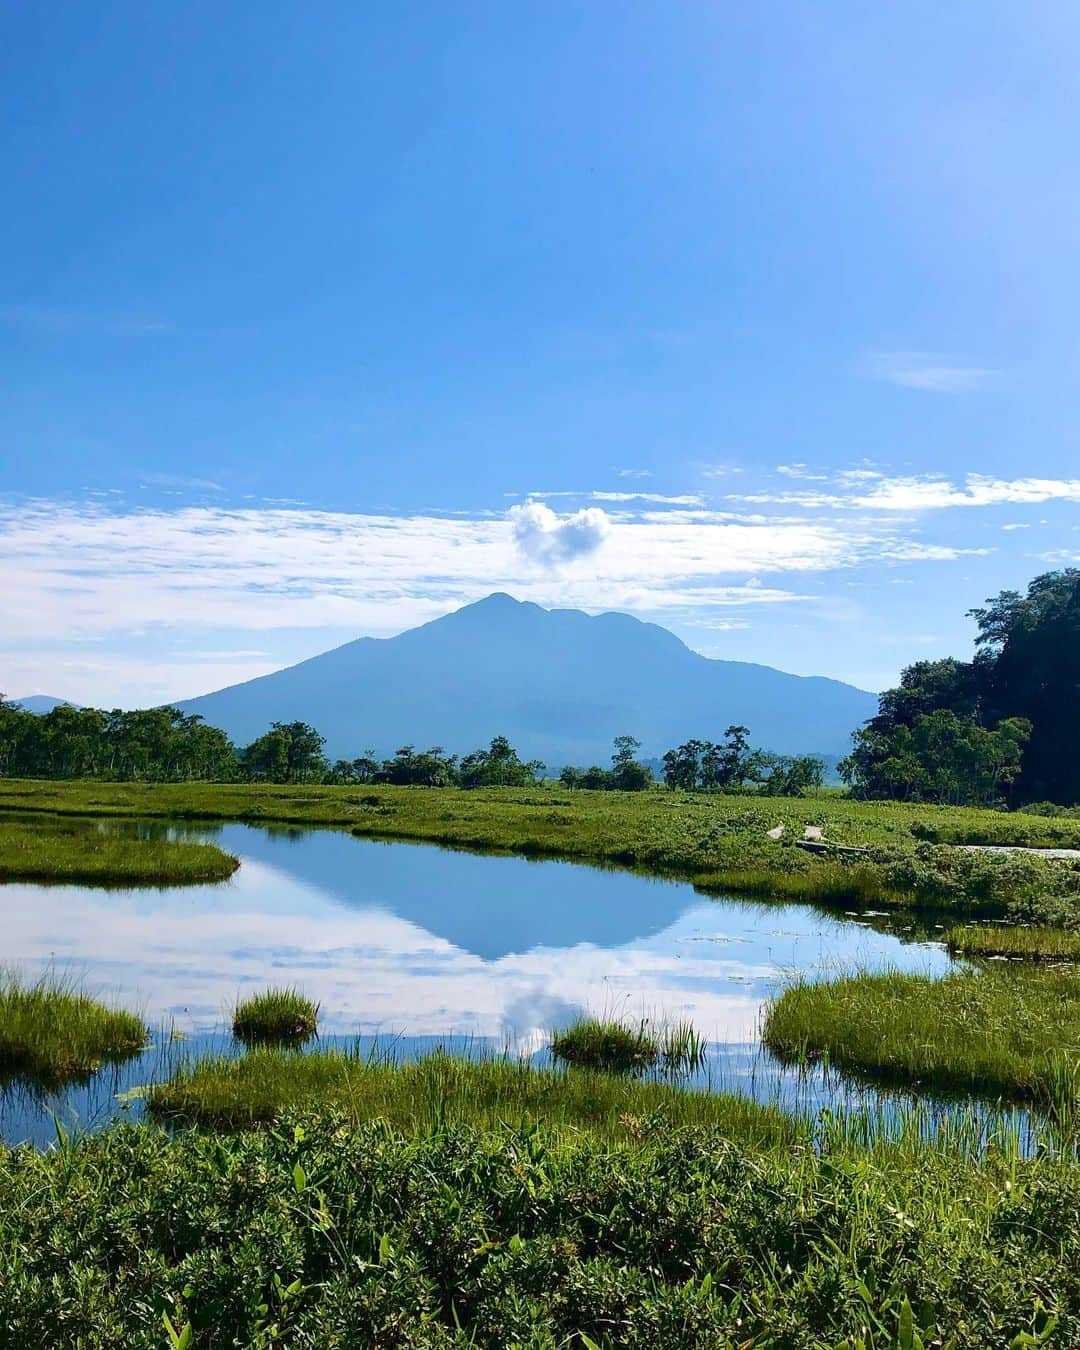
427	946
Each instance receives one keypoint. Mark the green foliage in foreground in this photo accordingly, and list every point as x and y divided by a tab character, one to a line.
321	1233
259	1088
1009	1032
75	852
50	1034
720	843
1033	944
276	1016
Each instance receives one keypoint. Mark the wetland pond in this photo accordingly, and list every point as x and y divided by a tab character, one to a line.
413	946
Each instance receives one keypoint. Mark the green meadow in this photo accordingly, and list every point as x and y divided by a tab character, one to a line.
324	1198
907	854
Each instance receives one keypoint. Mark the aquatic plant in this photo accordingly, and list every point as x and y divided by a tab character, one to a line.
607	1044
50	1033
275	1017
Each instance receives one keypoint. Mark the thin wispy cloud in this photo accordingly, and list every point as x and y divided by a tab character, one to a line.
929	372
914	493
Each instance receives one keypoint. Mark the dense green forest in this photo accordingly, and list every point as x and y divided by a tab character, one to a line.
1005	724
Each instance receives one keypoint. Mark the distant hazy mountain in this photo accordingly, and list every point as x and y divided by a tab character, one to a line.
41	703
559	683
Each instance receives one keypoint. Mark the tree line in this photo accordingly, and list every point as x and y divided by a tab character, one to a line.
166	745
1004	726
731	765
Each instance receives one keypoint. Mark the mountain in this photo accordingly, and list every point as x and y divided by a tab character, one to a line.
559	683
42	703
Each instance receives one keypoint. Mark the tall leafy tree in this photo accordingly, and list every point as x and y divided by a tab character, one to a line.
1029	667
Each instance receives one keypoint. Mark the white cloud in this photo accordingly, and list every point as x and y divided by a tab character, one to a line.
688	499
913	493
634	473
543	537
928	372
802	471
168	586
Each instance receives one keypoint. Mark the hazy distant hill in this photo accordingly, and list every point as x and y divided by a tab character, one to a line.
42	703
559	683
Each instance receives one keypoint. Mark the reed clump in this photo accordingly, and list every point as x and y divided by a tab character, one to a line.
607	1045
276	1017
51	1034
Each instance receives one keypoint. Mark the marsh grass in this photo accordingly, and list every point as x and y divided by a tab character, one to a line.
258	1088
71	851
275	1017
1007	1032
613	1045
51	1034
720	843
1015	941
607	1045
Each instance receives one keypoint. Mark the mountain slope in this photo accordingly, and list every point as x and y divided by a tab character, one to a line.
42	703
560	683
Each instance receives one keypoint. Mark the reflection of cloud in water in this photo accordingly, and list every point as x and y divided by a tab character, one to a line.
354	939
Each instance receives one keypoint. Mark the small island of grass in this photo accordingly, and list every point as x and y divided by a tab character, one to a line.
74	853
50	1034
259	1088
1005	1032
1015	942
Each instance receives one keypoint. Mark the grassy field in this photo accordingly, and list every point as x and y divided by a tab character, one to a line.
1015	941
721	843
70	850
324	1233
1003	1032
258	1088
50	1033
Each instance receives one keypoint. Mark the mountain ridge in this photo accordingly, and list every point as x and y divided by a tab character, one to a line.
559	683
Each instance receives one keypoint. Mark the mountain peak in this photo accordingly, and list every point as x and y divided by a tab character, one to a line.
559	682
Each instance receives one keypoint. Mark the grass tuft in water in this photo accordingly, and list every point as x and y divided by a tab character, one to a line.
51	1034
607	1045
275	1017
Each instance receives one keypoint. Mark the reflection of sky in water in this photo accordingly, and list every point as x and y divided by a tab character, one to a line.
418	940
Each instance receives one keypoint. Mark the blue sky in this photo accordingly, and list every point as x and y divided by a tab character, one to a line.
758	320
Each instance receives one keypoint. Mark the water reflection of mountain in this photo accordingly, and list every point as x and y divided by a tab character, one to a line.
491	906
